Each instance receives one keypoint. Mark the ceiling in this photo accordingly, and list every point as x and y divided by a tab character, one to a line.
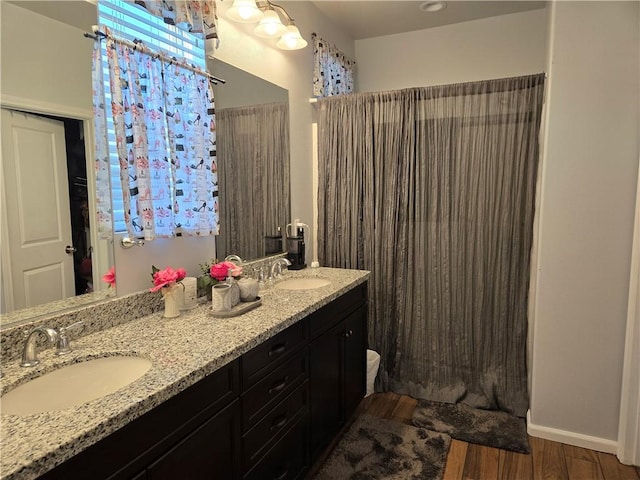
360	18
366	19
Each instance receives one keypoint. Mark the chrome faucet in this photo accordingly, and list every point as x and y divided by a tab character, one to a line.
29	354
233	258
276	267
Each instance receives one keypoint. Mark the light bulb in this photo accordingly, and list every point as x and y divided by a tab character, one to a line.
291	40
244	11
270	26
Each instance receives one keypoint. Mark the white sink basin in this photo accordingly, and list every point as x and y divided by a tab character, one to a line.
73	385
304	283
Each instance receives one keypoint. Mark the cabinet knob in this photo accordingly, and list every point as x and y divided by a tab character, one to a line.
277	425
348	333
278	349
279	386
283	475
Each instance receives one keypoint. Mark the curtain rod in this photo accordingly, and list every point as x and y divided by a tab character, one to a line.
97	35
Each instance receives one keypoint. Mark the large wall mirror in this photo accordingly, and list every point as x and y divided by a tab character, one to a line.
252	127
52	258
46	79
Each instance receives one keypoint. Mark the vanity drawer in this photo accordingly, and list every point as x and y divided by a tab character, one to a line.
257	440
259	361
288	459
325	318
265	394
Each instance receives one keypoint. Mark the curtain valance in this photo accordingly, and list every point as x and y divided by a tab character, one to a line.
333	72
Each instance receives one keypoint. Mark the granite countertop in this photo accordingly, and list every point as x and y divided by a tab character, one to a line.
182	350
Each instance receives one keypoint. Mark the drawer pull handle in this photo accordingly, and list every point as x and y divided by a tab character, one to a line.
279	386
279	424
283	475
278	349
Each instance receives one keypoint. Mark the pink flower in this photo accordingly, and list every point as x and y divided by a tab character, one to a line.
181	274
219	271
233	269
110	277
166	278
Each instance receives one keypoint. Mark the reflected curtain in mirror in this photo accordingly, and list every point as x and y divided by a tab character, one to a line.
433	190
164	137
253	147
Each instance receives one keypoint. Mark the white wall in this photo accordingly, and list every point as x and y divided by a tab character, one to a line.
495	47
44	60
586	222
242	89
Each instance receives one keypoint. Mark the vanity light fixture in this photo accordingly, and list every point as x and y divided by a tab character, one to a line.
271	26
244	11
291	40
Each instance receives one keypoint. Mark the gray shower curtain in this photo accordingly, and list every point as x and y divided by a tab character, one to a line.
433	190
253	174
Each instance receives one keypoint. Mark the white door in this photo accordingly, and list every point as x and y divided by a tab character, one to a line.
34	170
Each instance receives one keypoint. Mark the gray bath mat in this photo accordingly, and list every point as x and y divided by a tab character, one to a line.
375	448
484	427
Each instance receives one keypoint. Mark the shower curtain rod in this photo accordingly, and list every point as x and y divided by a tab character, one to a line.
97	35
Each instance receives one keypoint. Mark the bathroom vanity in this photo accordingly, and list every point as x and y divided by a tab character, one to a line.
252	397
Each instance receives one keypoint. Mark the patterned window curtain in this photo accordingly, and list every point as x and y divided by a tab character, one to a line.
333	73
165	132
196	16
102	164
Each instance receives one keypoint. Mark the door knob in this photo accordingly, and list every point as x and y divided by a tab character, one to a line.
70	250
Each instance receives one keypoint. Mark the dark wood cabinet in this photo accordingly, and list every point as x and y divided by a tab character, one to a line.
288	459
267	415
355	360
326	379
337	363
211	451
129	451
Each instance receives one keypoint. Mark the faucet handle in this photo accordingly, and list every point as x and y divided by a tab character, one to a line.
63	347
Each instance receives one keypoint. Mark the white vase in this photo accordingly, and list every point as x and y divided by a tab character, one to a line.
171	306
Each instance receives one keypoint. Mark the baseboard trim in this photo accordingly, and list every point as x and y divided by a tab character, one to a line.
571	438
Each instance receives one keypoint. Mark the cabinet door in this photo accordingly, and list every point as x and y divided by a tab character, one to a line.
212	451
325	388
355	360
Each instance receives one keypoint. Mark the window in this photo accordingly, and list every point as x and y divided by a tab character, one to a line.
132	22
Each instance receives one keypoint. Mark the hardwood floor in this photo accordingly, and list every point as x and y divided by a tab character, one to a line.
548	460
